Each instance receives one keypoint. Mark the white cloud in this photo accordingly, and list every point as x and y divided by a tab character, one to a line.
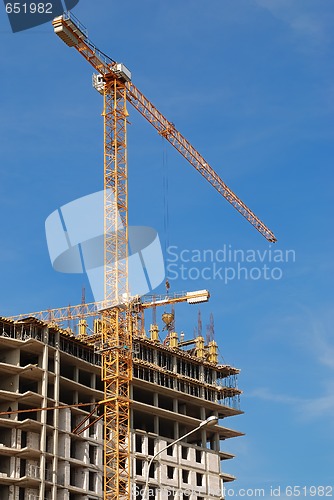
324	349
315	334
305	408
306	18
319	406
267	395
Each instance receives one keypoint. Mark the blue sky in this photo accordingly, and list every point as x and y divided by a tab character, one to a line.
250	84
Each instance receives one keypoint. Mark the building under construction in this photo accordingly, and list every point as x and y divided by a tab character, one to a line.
51	427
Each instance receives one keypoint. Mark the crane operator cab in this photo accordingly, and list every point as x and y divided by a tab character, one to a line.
120	70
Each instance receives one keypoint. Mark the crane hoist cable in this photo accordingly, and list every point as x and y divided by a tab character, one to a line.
165	187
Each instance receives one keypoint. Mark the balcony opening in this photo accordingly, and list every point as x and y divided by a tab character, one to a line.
185	476
151	444
170	472
92	481
139	467
199	479
139	443
170	451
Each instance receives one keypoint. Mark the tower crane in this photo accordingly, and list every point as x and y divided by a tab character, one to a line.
114	82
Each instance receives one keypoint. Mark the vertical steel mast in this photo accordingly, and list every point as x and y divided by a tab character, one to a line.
116	335
116	316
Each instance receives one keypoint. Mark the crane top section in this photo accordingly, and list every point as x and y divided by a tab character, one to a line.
74	34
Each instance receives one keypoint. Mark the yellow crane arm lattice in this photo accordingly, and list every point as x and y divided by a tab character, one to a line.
75	35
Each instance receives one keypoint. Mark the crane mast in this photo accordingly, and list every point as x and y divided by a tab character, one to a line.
116	321
118	314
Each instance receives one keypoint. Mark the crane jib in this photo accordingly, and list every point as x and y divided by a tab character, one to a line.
176	139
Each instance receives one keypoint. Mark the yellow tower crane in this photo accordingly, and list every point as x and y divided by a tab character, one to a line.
114	82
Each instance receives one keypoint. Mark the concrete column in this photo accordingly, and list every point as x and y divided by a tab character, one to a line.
56	420
76	374
156	424
44	391
93	381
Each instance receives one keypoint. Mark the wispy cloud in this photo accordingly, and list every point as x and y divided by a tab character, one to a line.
307	18
319	406
322	345
315	337
317	324
267	395
305	408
